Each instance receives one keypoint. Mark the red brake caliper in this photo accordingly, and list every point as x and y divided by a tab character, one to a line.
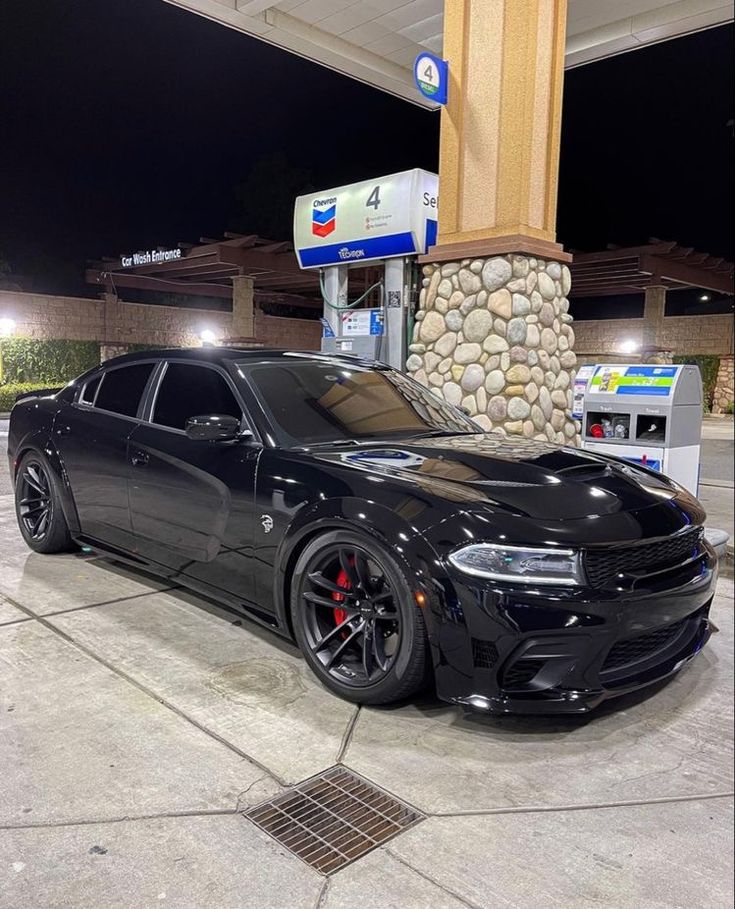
343	581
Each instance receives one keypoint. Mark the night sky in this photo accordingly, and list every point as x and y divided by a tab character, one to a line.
130	124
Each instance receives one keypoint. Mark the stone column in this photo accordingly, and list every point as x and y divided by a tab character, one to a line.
654	310
493	329
724	386
243	307
494	336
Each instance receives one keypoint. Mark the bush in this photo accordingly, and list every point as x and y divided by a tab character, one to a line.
52	362
8	393
709	366
730	408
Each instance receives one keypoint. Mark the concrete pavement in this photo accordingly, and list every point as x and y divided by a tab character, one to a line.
137	723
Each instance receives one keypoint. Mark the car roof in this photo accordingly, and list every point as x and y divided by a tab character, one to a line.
211	354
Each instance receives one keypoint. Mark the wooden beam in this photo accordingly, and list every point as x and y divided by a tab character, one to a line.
691	275
160	285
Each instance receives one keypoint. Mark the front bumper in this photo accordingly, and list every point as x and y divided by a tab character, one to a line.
504	649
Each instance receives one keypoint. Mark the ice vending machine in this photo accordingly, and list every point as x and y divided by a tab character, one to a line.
648	414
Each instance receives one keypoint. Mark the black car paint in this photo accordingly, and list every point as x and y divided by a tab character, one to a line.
230	518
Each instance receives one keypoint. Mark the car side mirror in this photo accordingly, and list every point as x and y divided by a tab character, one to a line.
214	427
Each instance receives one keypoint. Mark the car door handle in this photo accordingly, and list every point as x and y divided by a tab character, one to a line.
139	459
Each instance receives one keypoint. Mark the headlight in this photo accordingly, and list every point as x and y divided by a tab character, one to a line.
520	564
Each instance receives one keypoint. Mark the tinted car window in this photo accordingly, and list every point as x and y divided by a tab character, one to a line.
190	391
122	388
89	390
311	402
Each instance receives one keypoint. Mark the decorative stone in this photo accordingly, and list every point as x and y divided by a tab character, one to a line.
452	393
570	430
566	280
544	402
545	286
546	315
468	281
505	360
467	353
544	360
432	327
555	365
468	304
413	363
518	373
420	376
517	285
562	380
537	301
563	343
476	266
497	408
521	266
549	380
431	361
515	428
484	357
451	268
456	299
441	305
478	325
528	429
481	398
469	404
553	270
500	327
518	355
436	379
473	377
531	392
457	372
484	422
563	305
538	418
531	282
444	366
513	390
494	344
565	317
532	319
454	320
492	363
550	434
532	355
518	408
521	305
548	340
446	343
559	397
517	331
417	347
495	273
427	270
537	375
501	303
420	315
533	336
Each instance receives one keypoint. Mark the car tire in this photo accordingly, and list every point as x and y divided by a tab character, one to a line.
362	585
38	506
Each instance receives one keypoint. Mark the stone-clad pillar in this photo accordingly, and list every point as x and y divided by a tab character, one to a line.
243	307
493	330
654	311
494	336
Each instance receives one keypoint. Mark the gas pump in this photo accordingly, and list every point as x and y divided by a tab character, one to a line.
388	220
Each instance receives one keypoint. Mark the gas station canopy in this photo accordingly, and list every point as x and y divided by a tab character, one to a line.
377	41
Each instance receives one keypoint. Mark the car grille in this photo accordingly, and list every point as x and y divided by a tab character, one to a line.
605	565
484	653
638	649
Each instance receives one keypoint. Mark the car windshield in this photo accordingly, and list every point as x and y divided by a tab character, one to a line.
312	402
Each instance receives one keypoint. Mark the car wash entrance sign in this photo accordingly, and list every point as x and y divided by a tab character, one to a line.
382	218
150	257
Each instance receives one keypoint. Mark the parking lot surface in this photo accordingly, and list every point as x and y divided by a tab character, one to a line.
139	722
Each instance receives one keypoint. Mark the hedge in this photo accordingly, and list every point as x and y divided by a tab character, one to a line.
8	393
709	365
51	362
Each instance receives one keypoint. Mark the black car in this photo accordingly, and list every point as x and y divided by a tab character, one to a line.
344	505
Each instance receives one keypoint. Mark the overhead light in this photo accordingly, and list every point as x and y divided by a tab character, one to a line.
7	327
705	298
207	336
629	346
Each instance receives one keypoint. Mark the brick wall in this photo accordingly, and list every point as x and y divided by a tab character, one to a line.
679	334
113	322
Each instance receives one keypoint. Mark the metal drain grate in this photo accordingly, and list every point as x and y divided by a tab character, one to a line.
333	818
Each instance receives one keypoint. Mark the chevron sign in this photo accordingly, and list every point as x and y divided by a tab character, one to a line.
324	217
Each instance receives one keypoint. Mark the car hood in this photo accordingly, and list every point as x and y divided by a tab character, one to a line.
520	477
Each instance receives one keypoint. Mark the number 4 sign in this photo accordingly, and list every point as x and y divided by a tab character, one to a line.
431	74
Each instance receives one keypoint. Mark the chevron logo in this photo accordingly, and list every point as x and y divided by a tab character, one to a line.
323	220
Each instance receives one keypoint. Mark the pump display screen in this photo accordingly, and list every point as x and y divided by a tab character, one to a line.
634	380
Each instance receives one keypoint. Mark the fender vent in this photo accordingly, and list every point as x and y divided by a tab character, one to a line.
484	654
333	819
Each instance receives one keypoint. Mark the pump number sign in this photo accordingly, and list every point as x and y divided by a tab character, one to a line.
430	74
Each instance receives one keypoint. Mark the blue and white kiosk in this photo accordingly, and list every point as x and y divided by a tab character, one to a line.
648	414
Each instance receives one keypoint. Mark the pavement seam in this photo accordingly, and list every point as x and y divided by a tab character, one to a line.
323	890
133	596
15	622
149	692
88	822
431	880
347	737
543	809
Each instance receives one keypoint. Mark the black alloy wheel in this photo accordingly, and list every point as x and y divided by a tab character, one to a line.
356	621
38	507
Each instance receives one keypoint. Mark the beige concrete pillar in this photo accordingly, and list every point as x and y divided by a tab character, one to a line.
654	310
243	307
500	131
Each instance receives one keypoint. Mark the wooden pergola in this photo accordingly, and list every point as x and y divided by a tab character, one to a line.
616	272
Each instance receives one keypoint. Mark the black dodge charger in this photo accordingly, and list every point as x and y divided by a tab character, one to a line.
344	505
